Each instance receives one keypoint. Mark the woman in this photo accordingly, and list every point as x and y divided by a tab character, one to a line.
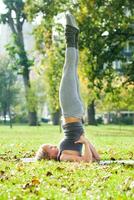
70	148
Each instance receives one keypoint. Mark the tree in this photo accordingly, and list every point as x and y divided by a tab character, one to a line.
105	28
52	53
119	98
15	18
52	77
8	89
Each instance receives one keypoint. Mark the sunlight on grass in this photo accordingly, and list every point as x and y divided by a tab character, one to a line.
60	180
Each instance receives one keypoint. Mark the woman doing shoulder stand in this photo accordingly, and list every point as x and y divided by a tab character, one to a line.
70	148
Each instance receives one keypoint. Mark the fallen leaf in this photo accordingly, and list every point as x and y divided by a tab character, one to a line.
60	168
35	181
128	184
131	154
112	158
2	172
49	173
20	166
3	176
27	185
106	177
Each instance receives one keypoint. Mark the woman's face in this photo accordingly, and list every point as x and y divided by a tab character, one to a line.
51	150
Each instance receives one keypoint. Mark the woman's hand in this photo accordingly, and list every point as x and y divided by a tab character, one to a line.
82	140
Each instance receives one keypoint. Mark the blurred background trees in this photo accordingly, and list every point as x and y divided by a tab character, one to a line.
8	90
15	18
106	53
106	28
50	47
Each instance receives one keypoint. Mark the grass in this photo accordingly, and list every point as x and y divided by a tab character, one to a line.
51	180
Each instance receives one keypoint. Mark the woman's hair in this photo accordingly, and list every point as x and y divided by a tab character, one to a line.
42	154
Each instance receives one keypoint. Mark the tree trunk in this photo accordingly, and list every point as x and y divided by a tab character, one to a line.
4	115
16	26
10	117
24	62
91	114
56	118
33	118
32	114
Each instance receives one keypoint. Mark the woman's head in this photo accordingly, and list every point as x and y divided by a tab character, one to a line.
47	151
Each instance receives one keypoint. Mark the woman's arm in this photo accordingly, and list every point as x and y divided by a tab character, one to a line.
87	157
96	156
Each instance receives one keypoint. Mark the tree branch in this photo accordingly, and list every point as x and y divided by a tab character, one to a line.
11	22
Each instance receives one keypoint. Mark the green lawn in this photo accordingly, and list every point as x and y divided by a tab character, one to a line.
50	180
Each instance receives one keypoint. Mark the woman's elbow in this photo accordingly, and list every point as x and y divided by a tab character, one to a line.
98	158
87	160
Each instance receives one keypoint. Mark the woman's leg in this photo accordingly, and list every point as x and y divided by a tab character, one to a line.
77	60
77	78
71	105
70	101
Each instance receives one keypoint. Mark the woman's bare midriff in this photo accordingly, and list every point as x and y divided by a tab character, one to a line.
71	119
71	152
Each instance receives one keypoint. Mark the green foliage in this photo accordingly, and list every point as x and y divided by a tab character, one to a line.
48	9
90	82
15	18
20	118
105	28
31	99
65	180
8	86
16	47
53	53
20	110
120	98
17	52
54	65
17	6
